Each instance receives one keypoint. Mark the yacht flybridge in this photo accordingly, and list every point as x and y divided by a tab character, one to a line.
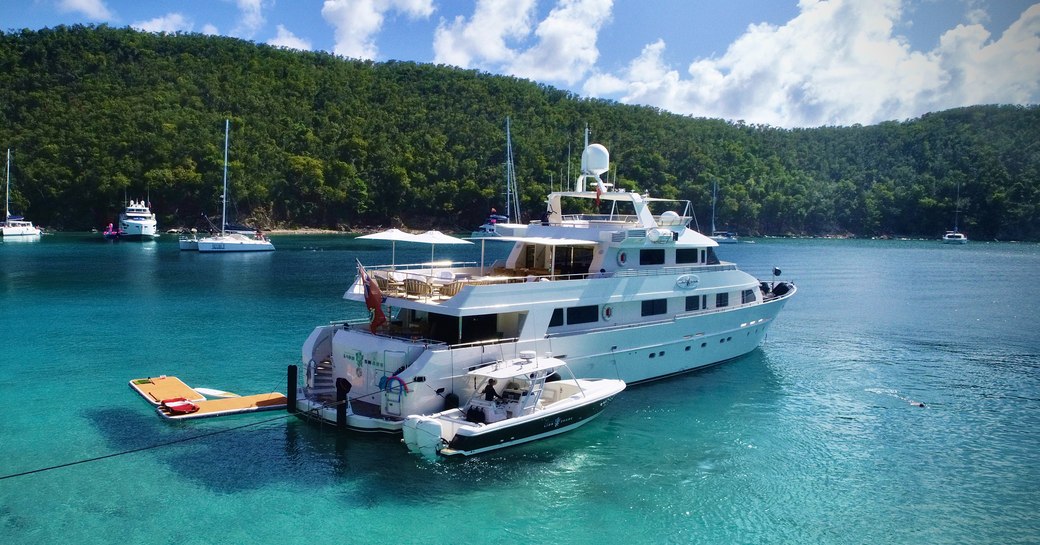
613	282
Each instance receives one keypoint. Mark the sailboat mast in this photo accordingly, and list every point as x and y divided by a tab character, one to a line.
223	211
7	206
714	195
957	207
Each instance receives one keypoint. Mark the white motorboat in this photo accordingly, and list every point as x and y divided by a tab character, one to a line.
629	292
15	226
530	406
138	221
228	241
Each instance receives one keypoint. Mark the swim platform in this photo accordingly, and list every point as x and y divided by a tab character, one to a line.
158	389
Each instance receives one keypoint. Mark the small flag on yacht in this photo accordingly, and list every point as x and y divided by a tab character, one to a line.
373	297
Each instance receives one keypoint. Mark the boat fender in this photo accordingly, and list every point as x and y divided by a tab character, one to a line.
608	312
451	401
622	258
311	367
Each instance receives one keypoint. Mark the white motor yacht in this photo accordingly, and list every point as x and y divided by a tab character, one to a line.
628	292
138	221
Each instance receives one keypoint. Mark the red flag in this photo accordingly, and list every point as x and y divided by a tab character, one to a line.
373	297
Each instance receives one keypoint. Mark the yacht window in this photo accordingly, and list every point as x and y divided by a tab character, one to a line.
582	315
557	318
651	257
686	255
654	307
693	302
747	296
721	300
712	258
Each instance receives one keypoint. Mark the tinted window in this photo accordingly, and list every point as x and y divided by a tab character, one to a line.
712	258
654	307
747	296
557	318
686	255
693	302
721	300
651	257
582	315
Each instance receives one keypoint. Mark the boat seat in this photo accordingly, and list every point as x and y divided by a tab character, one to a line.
414	287
449	290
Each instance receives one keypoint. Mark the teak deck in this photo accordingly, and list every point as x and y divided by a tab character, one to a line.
156	389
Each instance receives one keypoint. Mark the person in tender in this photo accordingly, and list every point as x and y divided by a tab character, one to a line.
489	391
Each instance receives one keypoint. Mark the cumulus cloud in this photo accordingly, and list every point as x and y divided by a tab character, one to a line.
482	39
171	22
837	62
357	22
288	39
561	48
252	17
91	9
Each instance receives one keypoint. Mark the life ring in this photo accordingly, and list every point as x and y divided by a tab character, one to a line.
608	312
622	258
399	380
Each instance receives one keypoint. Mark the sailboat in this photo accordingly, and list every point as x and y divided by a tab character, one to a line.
722	237
955	236
497	225
228	241
15	226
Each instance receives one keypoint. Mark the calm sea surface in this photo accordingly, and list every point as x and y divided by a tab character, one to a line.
815	437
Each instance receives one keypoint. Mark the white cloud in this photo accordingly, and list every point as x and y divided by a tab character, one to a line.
483	38
252	17
171	22
288	39
564	43
566	48
92	9
838	62
358	21
210	30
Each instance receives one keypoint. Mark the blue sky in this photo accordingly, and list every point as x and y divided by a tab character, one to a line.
779	62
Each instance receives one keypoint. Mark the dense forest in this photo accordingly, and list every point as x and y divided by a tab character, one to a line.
97	115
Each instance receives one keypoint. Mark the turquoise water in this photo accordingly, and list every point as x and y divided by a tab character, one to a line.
813	438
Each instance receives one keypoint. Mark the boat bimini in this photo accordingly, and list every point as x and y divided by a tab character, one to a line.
531	406
614	282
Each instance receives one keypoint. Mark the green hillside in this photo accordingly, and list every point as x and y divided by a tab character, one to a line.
96	114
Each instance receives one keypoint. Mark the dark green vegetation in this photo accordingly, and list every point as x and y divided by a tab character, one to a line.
96	113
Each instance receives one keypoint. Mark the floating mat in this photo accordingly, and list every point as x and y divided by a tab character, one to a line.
157	389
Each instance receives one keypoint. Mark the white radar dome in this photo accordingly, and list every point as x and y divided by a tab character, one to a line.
595	159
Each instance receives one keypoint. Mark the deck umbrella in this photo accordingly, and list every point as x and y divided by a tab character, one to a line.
436	237
393	235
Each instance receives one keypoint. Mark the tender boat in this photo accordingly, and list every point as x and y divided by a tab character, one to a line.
138	221
15	226
228	241
722	237
627	291
530	406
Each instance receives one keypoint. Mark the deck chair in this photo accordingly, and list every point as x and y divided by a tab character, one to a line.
447	291
413	287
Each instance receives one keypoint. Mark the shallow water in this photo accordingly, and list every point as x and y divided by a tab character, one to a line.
817	436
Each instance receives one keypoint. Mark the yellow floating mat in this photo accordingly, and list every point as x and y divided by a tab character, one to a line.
156	389
230	405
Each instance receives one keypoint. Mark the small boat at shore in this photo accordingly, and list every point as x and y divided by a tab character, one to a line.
532	406
15	226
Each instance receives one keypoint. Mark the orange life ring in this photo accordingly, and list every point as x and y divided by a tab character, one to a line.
608	312
622	258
